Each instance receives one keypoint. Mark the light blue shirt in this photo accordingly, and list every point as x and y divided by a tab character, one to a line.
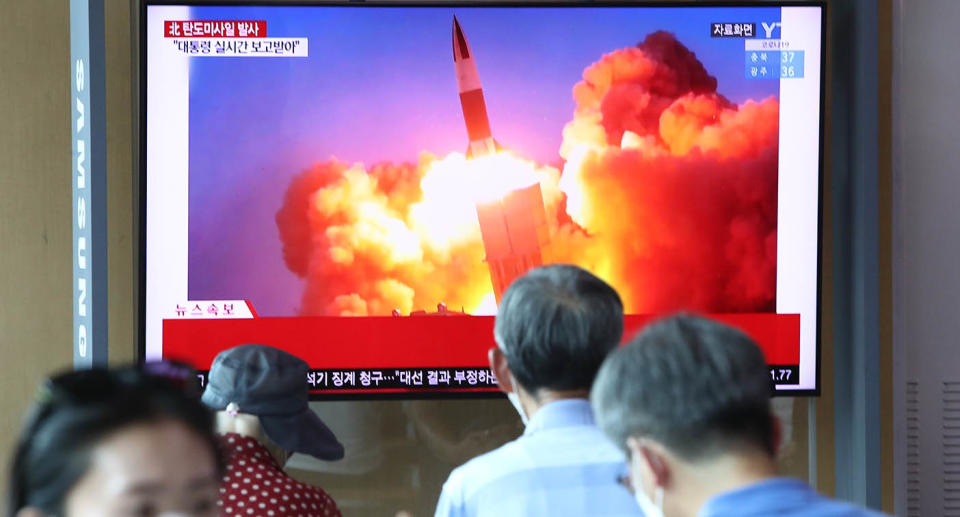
563	465
779	497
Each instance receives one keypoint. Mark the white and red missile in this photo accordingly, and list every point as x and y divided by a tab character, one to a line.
514	227
471	96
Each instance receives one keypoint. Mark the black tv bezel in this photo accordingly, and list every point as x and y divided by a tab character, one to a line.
140	214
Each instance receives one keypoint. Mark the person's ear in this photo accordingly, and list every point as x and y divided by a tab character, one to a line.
30	512
649	460
776	428
501	372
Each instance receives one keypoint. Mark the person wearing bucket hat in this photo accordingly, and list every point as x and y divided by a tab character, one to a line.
260	395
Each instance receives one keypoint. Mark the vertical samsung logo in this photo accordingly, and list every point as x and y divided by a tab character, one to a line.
82	273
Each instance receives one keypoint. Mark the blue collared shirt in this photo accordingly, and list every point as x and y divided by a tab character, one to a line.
563	465
781	497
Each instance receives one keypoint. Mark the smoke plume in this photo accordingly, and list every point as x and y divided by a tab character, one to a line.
668	192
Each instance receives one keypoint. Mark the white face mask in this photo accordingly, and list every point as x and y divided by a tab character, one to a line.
515	400
650	508
512	396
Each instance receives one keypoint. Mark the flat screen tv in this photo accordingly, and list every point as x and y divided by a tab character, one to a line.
358	183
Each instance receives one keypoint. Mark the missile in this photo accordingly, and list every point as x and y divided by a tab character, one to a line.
471	96
513	228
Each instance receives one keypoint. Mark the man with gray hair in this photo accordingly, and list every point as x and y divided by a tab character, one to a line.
554	328
689	401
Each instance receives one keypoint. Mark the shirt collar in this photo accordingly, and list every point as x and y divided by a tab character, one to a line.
561	413
770	493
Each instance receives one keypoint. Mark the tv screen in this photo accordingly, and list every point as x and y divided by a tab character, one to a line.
358	184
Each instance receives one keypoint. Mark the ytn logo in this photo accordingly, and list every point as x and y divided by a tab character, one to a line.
769	28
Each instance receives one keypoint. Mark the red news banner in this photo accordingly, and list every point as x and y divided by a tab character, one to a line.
215	29
230	38
416	354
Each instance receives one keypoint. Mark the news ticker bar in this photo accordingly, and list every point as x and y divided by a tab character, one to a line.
357	380
393	379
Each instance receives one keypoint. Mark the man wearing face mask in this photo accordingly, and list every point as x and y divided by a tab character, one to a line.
554	327
689	401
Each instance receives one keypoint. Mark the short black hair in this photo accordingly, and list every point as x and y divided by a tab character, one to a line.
556	324
77	409
697	386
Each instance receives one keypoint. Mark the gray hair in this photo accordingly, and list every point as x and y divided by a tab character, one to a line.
698	387
556	324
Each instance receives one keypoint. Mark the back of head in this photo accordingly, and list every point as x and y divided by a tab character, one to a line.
698	387
77	410
555	325
271	385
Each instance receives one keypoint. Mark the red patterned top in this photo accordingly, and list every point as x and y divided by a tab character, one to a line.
255	485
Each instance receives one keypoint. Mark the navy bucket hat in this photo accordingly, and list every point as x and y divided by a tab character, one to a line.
272	385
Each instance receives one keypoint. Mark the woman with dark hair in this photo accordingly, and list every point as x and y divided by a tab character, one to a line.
116	443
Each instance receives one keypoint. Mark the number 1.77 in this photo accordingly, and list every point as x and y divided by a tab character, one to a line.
780	374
